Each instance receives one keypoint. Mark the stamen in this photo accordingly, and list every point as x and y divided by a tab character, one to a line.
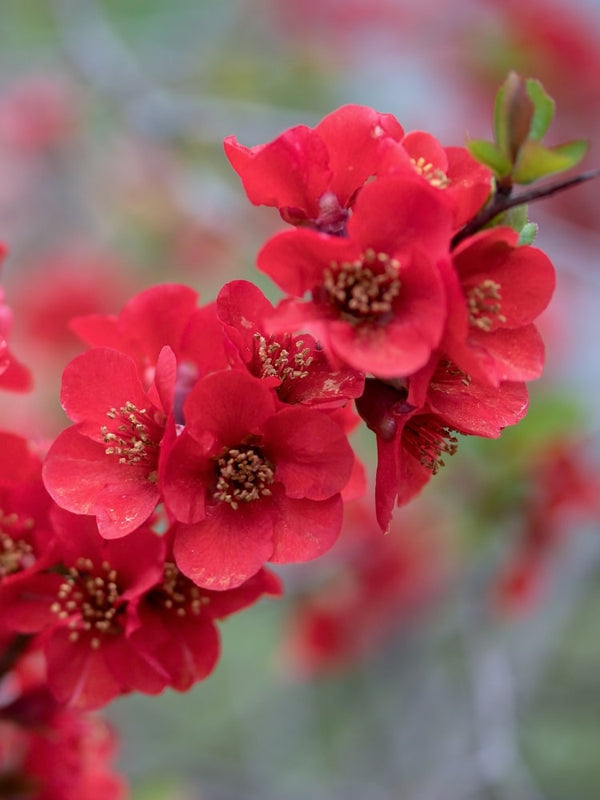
89	601
435	176
178	594
364	289
428	440
243	475
16	554
484	303
133	438
276	361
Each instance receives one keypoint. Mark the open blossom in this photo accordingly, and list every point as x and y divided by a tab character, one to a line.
166	315
89	610
294	365
178	621
251	480
377	298
504	287
107	463
313	175
453	170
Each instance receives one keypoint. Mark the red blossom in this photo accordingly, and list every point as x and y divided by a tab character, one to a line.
90	610
313	175
294	365
251	480
415	425
452	170
106	464
14	376
66	759
377	298
26	537
505	288
178	622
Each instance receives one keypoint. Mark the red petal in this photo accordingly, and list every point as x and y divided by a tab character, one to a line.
305	529
227	547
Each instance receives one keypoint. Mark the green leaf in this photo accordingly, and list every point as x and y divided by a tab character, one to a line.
543	109
536	161
528	233
489	154
516	217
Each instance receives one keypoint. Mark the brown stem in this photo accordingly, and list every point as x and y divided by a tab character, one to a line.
502	202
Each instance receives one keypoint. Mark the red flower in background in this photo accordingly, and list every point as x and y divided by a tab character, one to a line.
313	175
68	758
252	481
563	492
36	114
379	586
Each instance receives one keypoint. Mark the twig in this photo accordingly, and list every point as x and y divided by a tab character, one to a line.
502	202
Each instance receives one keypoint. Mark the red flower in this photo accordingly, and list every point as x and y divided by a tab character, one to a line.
505	288
377	298
415	426
377	587
313	175
91	609
294	365
163	315
252	481
177	622
26	537
452	170
107	464
66	759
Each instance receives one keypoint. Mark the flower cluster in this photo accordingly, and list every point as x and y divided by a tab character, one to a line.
211	440
443	335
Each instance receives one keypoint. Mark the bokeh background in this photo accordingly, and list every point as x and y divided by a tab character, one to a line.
459	659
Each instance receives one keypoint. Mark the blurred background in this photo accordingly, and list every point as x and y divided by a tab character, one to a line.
459	657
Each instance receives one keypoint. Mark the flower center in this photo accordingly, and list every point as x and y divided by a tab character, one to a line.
363	290
428	441
132	436
178	594
90	599
15	554
243	475
435	176
276	361
484	304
